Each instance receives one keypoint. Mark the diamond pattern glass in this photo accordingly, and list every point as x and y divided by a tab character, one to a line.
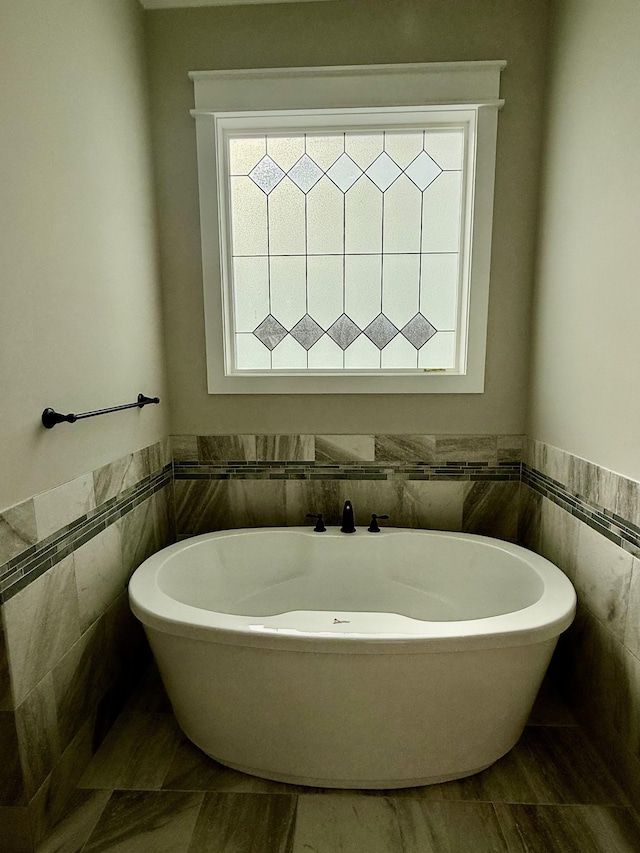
307	332
423	171
344	331
344	172
383	171
267	174
326	244
270	332
418	331
305	174
380	331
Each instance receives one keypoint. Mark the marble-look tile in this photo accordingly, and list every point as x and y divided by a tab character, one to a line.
6	702
119	475
628	500
165	451
466	448
201	505
435	505
557	464
632	629
60	506
589	665
15	830
602	578
630	708
325	496
12	792
448	827
41	623
608	488
344	448
76	824
256	503
50	802
128	650
192	770
138	536
529	512
293	448
80	679
558	538
37	729
568	829
491	509
405	448
577	475
100	575
509	448
223	448
164	517
549	764
350	824
136	753
529	455
549	709
159	455
184	448
17	530
238	823
141	821
149	695
429	505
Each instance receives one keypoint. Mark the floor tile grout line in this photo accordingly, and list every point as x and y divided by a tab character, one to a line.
93	828
496	812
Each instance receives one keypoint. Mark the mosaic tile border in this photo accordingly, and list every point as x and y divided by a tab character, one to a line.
613	527
20	571
243	470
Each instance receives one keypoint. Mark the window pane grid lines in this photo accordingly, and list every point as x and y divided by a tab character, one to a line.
390	309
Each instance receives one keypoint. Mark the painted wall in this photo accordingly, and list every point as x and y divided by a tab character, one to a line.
80	324
586	347
358	31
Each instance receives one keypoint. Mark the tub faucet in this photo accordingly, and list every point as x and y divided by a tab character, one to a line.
347	518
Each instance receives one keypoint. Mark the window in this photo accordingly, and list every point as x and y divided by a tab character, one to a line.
346	248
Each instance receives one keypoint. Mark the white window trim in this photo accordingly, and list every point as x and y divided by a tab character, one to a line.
469	85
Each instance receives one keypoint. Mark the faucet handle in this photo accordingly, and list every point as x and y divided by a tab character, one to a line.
374	527
319	528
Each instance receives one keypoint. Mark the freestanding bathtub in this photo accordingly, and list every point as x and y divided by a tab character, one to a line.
386	660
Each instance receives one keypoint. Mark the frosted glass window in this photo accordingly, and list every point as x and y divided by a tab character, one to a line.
345	249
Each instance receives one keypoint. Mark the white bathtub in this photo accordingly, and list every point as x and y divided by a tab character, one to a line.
383	660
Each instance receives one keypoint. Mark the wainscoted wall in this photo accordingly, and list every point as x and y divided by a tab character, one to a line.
70	649
586	520
468	483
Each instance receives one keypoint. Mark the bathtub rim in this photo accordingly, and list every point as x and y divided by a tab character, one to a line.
545	619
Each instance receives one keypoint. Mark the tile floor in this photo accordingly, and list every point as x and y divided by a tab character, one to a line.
149	790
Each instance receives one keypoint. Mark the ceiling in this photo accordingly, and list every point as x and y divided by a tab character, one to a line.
184	4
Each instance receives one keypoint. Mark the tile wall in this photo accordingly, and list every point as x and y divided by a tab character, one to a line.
586	520
466	483
69	648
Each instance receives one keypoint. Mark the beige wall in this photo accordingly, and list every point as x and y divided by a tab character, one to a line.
357	31
79	297
586	343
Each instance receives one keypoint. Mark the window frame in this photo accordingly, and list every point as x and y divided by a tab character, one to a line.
254	96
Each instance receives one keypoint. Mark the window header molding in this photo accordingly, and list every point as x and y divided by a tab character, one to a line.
341	70
406	84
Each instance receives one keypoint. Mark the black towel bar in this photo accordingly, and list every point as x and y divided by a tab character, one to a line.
50	417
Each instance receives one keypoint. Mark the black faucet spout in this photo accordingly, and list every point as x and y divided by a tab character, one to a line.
348	525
